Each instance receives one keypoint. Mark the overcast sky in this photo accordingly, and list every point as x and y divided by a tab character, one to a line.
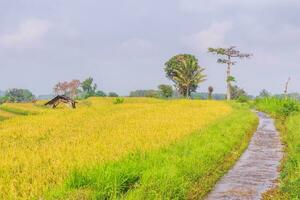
123	44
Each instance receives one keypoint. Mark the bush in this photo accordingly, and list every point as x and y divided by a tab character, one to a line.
279	107
118	100
243	99
288	108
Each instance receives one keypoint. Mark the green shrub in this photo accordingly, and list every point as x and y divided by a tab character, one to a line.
288	108
278	107
118	100
243	99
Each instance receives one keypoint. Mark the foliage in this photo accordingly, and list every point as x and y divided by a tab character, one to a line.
205	95
243	99
231	79
88	88
18	95
100	93
278	107
186	169
185	72
210	91
67	88
39	151
3	99
236	92
113	94
166	91
264	93
118	100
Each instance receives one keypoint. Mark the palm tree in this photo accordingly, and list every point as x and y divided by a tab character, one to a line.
185	72
210	91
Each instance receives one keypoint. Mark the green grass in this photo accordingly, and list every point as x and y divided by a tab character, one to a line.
290	175
15	110
187	169
289	126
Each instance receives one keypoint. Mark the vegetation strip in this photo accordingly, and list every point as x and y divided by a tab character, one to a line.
174	172
286	112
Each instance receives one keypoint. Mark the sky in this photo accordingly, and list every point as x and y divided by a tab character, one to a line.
123	44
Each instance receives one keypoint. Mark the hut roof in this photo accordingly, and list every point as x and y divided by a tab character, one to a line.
61	98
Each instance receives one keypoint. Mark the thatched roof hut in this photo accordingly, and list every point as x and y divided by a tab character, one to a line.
61	99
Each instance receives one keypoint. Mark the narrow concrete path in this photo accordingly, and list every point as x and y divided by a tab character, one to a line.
257	169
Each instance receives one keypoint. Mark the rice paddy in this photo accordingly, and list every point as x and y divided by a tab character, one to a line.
38	152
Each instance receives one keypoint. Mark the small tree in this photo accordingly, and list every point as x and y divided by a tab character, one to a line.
264	93
166	91
229	53
236	92
73	88
185	72
210	91
88	88
67	88
61	88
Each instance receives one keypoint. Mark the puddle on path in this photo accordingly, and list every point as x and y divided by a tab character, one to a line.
257	169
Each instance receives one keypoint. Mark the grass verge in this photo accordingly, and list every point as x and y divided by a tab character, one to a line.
187	169
287	121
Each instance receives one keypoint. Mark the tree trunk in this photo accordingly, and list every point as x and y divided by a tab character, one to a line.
187	92
228	80
286	88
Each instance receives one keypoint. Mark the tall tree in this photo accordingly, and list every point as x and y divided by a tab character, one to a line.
210	91
185	72
228	53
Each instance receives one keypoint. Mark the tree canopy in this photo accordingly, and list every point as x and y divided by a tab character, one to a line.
166	91
185	72
18	95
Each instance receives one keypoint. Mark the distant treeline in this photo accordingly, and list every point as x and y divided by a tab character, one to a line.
144	93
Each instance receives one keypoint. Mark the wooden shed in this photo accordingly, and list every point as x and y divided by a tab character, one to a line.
61	99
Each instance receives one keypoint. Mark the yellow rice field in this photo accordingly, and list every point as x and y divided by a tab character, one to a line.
38	151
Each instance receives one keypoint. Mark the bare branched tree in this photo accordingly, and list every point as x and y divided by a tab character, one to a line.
228	53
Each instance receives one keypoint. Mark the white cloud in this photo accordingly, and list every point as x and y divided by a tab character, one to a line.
29	33
213	36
